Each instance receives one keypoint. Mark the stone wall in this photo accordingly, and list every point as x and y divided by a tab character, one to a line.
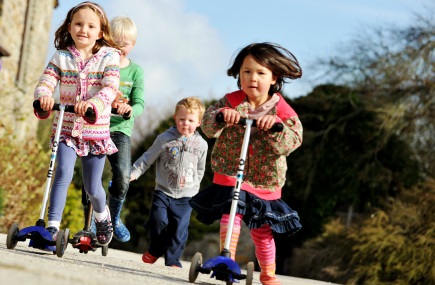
24	34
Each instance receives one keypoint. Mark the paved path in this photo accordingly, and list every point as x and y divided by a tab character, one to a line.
26	265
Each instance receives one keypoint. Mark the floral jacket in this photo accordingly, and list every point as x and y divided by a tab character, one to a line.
265	166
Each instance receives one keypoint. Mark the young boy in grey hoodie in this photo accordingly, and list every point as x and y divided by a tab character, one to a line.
180	154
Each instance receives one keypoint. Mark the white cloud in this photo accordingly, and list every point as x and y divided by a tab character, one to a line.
179	50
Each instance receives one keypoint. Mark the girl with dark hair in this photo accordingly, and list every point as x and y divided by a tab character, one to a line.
260	69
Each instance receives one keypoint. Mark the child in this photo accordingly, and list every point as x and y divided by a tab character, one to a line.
181	155
86	67
260	69
131	84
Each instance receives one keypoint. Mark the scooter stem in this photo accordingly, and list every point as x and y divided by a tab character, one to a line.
52	161
239	180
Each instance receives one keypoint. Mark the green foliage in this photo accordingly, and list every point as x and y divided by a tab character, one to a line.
22	180
1	201
73	216
345	160
45	128
391	246
325	257
396	244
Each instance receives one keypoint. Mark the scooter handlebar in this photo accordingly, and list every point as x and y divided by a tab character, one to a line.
90	114
276	128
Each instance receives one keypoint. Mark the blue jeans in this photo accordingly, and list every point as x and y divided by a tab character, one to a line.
168	227
121	165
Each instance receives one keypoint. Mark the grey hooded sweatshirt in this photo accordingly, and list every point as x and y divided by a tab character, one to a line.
180	163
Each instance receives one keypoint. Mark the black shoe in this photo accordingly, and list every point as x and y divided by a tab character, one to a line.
104	229
53	232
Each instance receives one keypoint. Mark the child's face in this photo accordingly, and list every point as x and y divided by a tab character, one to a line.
186	122
255	80
126	46
85	28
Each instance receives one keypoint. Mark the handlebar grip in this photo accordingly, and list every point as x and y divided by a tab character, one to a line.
90	114
276	128
220	118
37	105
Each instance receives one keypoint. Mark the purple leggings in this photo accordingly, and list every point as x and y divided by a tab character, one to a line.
92	172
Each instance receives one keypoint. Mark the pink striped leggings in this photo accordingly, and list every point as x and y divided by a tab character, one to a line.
265	250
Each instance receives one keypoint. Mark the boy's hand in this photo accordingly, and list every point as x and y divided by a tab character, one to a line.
132	178
119	99
124	108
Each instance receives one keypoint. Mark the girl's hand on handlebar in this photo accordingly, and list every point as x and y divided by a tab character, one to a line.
81	107
231	116
46	102
266	122
124	108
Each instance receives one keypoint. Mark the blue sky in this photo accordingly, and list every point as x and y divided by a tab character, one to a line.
185	46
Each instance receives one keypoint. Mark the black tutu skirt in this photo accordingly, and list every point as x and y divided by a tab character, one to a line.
215	200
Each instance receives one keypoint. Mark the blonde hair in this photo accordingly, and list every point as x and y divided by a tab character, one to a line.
122	27
191	104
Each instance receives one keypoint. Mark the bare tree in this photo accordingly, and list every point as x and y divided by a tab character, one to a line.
396	67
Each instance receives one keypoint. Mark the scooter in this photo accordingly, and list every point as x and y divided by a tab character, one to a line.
86	239
39	236
223	267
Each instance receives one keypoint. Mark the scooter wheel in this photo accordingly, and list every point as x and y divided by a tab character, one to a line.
194	266
62	242
249	273
11	242
104	250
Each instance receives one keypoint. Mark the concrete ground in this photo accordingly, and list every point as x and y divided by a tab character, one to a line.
26	265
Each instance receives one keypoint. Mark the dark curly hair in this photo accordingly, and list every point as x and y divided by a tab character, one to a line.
274	57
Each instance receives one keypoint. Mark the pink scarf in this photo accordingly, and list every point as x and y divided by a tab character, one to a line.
263	109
